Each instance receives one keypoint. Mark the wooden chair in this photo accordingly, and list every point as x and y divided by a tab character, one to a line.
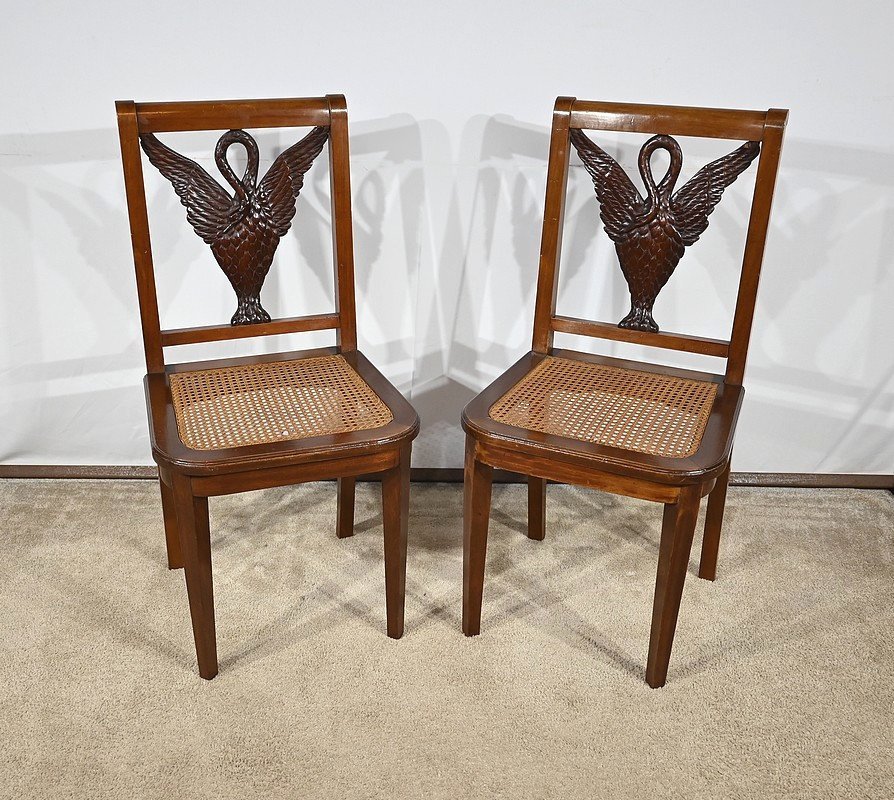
637	429
235	425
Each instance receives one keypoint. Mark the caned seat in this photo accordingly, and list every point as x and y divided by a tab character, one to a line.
239	424
276	401
637	410
641	429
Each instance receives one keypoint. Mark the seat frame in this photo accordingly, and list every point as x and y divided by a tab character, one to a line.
678	483
189	477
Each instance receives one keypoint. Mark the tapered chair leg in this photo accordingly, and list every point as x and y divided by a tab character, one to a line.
476	515
677	530
396	512
195	543
344	525
707	567
172	535
536	508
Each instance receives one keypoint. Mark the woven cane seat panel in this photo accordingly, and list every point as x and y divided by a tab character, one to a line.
644	412
273	402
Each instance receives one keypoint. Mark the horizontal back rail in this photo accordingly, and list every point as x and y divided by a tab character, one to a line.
219	333
662	339
713	123
230	114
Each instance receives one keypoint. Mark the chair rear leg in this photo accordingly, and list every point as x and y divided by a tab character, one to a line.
536	508
476	515
396	512
344	525
172	536
677	530
195	543
707	567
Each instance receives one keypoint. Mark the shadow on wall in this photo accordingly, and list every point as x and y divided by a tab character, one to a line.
818	385
70	340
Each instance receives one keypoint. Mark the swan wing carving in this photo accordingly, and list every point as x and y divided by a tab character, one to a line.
280	186
693	203
209	209
621	205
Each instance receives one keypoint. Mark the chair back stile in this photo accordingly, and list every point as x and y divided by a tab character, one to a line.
767	128
330	111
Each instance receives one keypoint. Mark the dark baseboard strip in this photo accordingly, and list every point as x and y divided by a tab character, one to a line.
88	471
805	480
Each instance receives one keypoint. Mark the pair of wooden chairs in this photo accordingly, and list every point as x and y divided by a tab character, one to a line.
643	430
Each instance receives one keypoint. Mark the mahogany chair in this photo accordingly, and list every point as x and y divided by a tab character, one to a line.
239	424
631	428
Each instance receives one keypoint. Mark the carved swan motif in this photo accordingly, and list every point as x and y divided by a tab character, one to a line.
243	230
651	234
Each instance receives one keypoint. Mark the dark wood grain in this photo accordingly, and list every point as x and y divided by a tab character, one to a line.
553	225
677	530
172	534
131	159
195	475
714	123
651	233
396	512
476	516
202	115
243	229
344	523
667	341
195	543
707	567
679	483
342	222
536	508
218	333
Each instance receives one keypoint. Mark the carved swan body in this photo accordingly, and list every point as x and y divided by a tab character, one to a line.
651	234
243	230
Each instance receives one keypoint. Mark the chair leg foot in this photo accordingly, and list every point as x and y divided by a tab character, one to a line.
677	530
344	526
172	536
476	513
195	542
707	567
396	512
536	508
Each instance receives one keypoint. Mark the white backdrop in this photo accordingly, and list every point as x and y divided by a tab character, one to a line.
449	106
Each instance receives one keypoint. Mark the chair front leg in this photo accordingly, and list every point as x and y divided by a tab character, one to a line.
396	512
707	567
536	508
476	515
195	544
677	530
344	525
172	535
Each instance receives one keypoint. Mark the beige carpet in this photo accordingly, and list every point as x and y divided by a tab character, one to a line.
780	682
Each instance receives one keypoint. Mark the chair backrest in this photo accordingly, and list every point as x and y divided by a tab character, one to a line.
136	119
764	127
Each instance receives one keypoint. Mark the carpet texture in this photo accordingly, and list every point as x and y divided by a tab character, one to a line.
780	684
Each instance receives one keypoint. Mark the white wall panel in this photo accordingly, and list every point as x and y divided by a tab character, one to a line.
449	106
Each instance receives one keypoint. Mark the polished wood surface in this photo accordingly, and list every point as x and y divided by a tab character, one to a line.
536	508
189	477
678	483
662	339
203	115
219	333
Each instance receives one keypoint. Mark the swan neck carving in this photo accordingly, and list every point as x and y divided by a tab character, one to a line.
659	195
244	187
